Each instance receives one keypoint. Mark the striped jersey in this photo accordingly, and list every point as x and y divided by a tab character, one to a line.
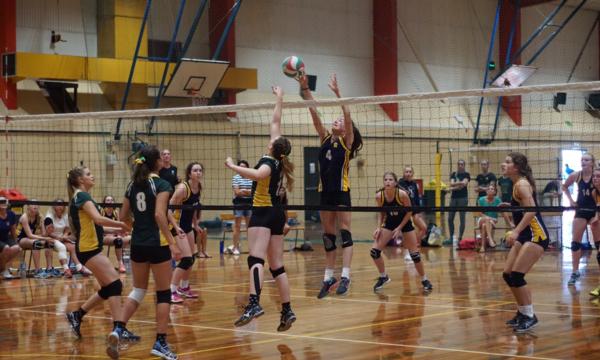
265	192
334	163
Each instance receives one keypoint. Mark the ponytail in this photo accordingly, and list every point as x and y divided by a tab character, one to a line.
281	149
357	144
287	169
523	167
145	163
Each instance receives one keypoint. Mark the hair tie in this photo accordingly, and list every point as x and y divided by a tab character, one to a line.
140	160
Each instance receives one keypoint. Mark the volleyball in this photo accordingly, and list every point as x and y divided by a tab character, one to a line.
293	67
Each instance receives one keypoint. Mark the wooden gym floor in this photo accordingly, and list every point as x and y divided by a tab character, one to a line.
463	318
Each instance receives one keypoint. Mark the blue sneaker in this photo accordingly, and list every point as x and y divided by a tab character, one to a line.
343	286
40	274
112	343
163	351
56	272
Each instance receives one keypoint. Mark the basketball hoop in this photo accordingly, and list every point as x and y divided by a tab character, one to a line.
197	99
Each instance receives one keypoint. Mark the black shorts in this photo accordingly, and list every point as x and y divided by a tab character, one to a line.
85	256
391	225
543	243
272	218
150	254
7	243
336	198
585	214
186	227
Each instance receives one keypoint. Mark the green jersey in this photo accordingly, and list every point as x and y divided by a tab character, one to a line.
89	235
143	204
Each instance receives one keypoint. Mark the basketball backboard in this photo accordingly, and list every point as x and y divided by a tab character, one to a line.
197	78
514	76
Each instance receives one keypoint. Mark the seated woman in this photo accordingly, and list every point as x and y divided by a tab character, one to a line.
114	236
8	231
29	224
487	220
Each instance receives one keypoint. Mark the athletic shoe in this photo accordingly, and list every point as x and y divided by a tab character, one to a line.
56	272
595	292
515	320
75	322
251	311
427	285
382	280
112	343
176	298
343	286
574	277
127	335
7	275
327	284
163	351
236	251
187	292
526	323
229	249
67	273
287	319
40	274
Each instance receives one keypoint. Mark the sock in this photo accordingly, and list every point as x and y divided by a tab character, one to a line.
173	288
286	306
424	277
346	272
254	299
118	325
328	274
78	267
185	284
383	274
526	310
65	266
161	338
81	313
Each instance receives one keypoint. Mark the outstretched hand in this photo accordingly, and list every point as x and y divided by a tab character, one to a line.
277	91
333	85
229	162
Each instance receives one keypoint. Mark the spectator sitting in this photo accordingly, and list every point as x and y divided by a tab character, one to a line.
487	220
552	193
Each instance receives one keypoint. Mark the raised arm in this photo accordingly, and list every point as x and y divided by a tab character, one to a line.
276	122
314	114
250	173
349	133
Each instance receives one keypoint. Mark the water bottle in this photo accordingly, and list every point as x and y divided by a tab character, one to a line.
22	270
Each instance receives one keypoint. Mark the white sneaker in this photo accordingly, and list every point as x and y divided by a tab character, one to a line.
7	275
229	249
236	251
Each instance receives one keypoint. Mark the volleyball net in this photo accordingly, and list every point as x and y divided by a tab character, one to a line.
38	150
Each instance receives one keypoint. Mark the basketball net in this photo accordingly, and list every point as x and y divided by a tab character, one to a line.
197	99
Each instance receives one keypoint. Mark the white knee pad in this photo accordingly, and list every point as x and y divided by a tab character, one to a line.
137	295
61	249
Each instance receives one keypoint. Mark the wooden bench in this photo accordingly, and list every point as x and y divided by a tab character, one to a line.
243	228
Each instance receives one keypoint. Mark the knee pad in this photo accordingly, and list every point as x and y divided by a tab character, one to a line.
346	238
61	249
575	246
518	279
113	289
253	260
275	273
118	243
49	245
507	278
415	256
185	263
163	296
137	295
375	253
37	245
329	242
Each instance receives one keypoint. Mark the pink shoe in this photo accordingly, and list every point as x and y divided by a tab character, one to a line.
176	298
187	292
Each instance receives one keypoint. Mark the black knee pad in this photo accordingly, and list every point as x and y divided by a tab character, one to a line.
275	273
415	256
113	289
253	260
118	243
375	253
518	279
163	296
346	238
186	262
329	242
37	245
49	245
597	245
507	278
575	246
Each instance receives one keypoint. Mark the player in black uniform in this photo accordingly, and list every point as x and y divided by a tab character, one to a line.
585	213
393	223
30	223
339	145
152	245
265	230
186	193
87	223
595	222
113	236
529	239
415	199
